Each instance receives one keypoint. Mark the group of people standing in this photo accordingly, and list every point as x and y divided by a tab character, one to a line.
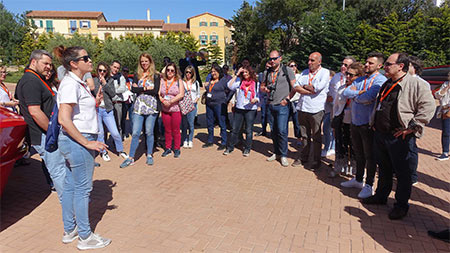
370	119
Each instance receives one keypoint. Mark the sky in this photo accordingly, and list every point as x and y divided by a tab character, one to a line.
179	10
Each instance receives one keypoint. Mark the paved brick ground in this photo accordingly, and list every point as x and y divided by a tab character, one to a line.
207	202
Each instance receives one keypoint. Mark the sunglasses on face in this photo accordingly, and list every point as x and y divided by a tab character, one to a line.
274	58
293	65
170	70
349	74
188	72
102	70
345	64
85	58
3	72
387	64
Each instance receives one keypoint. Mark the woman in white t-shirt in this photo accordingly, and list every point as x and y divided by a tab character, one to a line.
187	123
6	98
77	142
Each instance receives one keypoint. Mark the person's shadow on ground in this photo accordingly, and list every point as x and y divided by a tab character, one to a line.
406	235
101	195
25	191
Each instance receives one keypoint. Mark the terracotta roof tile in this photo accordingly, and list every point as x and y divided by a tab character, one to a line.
65	14
132	23
175	27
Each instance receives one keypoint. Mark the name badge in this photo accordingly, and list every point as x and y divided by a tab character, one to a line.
209	95
166	97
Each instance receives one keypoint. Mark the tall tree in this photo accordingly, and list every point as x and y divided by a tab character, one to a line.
12	31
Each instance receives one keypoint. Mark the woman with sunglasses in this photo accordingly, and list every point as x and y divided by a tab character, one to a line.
104	83
341	120
6	98
293	114
216	97
170	93
146	107
247	99
77	143
187	122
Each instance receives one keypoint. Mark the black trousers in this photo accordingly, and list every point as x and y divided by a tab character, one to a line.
395	155
362	142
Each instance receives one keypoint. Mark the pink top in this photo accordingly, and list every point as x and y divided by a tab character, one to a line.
168	91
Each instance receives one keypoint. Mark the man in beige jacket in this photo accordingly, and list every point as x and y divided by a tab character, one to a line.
404	106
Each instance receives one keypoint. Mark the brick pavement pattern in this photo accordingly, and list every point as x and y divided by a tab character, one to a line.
207	202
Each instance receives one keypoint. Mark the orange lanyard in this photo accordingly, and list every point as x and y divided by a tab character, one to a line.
383	95
128	85
274	78
6	90
170	86
371	81
211	85
312	78
46	85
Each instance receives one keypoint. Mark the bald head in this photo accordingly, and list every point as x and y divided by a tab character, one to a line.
314	61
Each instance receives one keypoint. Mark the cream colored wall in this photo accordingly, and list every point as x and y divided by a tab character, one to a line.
62	26
116	32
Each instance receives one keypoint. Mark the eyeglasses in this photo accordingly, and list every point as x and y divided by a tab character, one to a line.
293	65
170	70
349	74
274	58
85	58
387	64
102	70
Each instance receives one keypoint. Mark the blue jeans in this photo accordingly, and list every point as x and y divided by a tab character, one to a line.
110	122
78	183
293	114
239	117
215	111
187	122
445	137
56	165
138	120
328	137
279	133
266	117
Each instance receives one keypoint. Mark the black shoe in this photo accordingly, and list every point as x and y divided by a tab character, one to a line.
315	166
443	235
397	213
373	200
176	153
166	152
221	147
246	152
297	163
207	145
227	151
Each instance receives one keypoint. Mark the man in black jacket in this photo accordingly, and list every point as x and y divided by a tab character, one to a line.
191	59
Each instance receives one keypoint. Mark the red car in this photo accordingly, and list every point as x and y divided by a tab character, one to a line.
12	134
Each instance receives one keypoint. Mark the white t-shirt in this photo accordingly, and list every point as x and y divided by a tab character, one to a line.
74	91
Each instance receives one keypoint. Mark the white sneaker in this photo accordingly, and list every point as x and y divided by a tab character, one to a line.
94	241
352	183
185	144
365	192
105	157
70	237
284	161
123	155
190	144
331	152
272	158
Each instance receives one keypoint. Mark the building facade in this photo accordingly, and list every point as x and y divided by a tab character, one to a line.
67	22
210	29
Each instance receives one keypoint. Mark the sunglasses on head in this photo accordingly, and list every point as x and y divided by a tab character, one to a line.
85	58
